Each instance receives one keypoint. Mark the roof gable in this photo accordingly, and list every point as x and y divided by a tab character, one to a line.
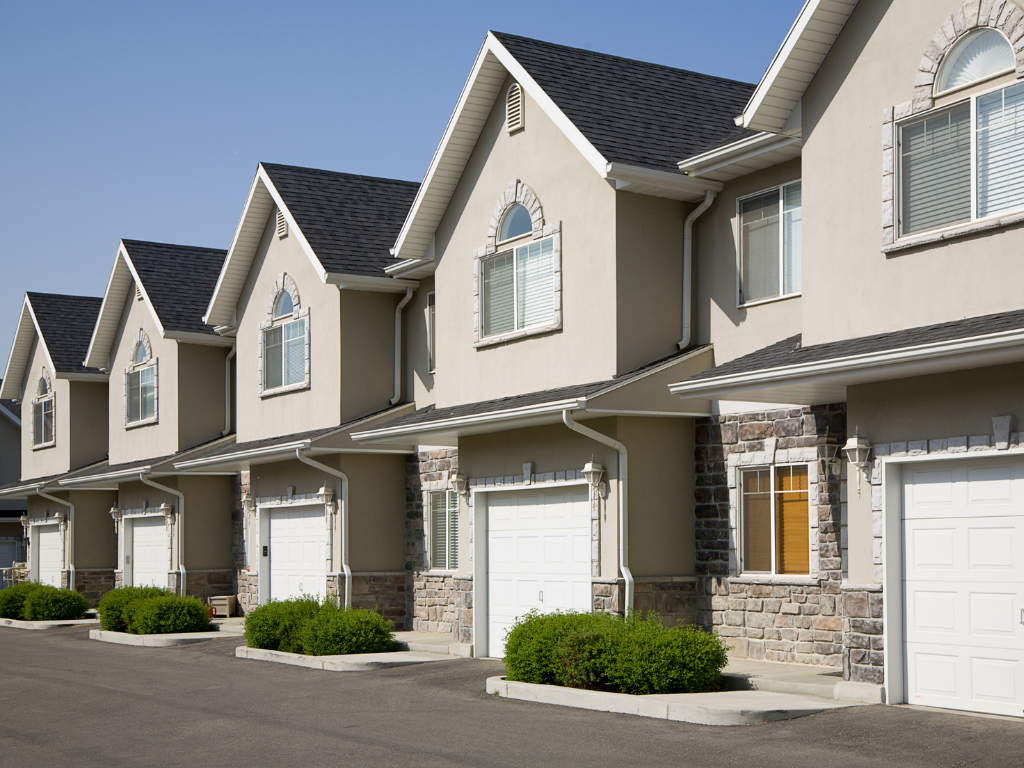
175	281
632	121
345	223
63	325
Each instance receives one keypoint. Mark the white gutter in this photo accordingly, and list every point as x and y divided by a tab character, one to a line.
227	390
181	526
71	532
344	518
622	481
688	287
398	345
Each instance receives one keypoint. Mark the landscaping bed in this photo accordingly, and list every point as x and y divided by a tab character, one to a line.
313	627
31	605
152	611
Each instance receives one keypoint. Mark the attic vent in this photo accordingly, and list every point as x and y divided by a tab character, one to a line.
282	224
514	108
138	292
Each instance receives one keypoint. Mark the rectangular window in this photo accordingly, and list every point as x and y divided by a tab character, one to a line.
770	243
284	354
142	394
519	288
42	422
431	334
775	510
963	163
444	530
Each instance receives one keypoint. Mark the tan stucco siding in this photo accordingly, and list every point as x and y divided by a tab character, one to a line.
297	411
10	451
718	319
922	408
11	530
208	503
367	352
153	439
571	193
54	459
648	280
872	67
95	539
418	379
201	394
90	429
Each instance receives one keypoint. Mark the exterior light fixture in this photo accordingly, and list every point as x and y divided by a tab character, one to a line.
325	495
857	451
828	450
593	472
459	484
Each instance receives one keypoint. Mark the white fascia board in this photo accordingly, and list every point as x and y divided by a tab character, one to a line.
745	149
72	376
293	228
108	477
202	339
412	269
901	363
284	450
21	490
21	350
666	180
9	415
367	283
512	414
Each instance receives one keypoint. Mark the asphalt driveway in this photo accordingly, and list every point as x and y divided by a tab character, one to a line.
66	700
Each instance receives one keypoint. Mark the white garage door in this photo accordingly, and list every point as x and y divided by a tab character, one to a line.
538	556
51	554
298	552
150	553
963	533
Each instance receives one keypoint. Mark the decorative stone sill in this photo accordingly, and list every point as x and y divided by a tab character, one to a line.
777	581
41	446
143	423
284	390
491	341
951	234
861	587
772	300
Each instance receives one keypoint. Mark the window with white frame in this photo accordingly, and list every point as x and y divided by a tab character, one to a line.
284	346
519	288
42	413
775	520
140	386
431	333
444	530
770	225
962	163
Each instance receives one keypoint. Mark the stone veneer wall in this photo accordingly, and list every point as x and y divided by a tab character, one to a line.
771	618
245	584
91	583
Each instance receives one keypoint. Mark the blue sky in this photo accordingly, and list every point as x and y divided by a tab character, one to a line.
146	120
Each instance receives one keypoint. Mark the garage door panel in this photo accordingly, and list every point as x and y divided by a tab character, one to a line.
150	552
51	554
298	552
963	538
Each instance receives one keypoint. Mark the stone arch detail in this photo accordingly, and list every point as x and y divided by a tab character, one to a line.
44	375
284	282
141	337
1005	16
516	192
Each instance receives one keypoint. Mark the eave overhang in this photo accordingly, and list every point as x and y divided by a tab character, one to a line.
827	381
26	332
754	153
159	467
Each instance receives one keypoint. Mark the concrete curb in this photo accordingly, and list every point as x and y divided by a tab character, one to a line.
719	708
842	690
355	662
16	624
155	641
462	650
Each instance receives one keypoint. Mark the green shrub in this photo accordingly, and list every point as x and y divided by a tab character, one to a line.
333	630
276	625
166	614
602	651
12	599
112	605
50	604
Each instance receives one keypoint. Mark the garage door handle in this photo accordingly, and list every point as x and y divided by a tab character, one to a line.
540	597
1022	615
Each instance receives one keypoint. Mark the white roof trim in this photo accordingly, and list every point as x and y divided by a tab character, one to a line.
21	352
263	197
122	275
10	415
809	40
737	152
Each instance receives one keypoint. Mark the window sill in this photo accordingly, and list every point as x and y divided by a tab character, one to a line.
42	446
961	230
778	581
285	390
537	330
142	423
772	300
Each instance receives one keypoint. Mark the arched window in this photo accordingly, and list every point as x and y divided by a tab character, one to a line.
516	221
284	305
977	56
140	354
43	389
42	413
140	383
514	118
284	342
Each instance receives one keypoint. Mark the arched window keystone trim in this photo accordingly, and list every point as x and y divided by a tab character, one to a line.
283	355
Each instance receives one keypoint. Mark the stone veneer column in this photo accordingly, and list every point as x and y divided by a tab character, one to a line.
245	587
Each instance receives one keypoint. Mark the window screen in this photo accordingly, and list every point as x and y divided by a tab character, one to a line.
1000	150
759	244
935	170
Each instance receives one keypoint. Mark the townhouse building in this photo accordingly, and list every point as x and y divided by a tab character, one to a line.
12	536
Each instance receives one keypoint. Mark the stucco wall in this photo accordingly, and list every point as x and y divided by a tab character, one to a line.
201	394
418	380
89	422
570	192
872	67
95	539
367	352
922	408
54	459
208	505
10	451
291	412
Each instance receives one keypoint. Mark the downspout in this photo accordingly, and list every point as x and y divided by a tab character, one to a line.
398	345
181	525
623	479
227	389
71	532
344	518
688	289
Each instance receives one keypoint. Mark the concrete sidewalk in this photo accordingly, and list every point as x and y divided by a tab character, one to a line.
798	679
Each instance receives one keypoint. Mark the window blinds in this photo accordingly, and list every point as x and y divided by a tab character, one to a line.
444	530
757	521
792	524
1000	138
147	391
499	295
935	168
295	352
534	268
759	234
792	237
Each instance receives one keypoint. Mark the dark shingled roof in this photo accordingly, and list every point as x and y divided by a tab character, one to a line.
66	323
12	407
634	112
232	447
789	352
350	221
179	280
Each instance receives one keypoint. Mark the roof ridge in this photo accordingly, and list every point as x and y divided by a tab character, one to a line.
126	241
63	295
500	35
347	174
